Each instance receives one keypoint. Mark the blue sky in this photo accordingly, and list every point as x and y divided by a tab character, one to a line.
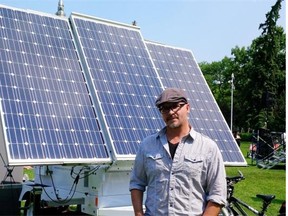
209	28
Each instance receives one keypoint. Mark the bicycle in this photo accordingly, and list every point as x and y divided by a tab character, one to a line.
235	206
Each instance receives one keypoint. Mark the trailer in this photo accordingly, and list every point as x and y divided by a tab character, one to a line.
94	190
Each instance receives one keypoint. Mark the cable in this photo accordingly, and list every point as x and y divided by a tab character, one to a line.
59	200
84	175
72	191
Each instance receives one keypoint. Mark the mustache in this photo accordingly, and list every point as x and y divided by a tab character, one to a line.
171	117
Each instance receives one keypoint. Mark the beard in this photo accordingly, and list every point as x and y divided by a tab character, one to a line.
173	123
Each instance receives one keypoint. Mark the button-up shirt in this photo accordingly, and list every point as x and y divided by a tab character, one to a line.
184	185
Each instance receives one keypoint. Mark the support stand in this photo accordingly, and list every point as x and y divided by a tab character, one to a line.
8	172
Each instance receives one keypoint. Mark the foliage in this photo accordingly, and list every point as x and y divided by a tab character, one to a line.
264	74
259	84
29	172
218	76
246	137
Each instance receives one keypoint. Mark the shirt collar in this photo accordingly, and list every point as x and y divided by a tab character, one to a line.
161	133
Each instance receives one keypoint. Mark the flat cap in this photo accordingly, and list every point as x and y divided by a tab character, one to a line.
171	95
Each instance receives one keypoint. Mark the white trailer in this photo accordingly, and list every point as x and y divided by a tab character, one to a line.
96	189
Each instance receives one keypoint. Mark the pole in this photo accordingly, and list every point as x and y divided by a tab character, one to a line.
232	89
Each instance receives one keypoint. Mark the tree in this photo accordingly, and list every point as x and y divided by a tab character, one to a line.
259	78
218	77
265	75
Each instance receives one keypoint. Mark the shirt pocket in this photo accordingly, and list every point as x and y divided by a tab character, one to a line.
193	165
154	162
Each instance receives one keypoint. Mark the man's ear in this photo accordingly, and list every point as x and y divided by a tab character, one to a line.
188	108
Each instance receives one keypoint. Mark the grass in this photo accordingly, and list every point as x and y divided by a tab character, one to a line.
260	181
257	181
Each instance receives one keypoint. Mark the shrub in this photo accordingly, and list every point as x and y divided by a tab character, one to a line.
246	137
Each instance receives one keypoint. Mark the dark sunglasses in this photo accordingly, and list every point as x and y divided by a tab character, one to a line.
173	107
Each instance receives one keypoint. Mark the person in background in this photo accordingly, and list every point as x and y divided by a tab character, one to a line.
181	170
237	137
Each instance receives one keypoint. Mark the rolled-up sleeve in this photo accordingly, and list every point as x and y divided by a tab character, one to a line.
216	177
138	178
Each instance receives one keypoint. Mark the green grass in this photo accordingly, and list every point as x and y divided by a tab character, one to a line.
259	181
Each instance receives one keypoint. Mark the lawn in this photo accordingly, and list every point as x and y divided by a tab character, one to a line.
260	181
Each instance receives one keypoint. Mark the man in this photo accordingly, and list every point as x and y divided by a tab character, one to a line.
182	170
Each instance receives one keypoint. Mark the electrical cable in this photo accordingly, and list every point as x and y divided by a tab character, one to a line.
58	201
72	191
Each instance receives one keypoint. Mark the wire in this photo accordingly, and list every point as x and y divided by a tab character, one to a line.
74	175
59	200
86	174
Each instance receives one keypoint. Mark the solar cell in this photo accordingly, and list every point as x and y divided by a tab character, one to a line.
46	111
123	79
177	68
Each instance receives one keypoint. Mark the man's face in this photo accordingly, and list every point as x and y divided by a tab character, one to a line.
174	114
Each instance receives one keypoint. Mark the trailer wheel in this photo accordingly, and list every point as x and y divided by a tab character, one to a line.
29	208
32	204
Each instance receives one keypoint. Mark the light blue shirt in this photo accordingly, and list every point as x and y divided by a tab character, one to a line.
181	186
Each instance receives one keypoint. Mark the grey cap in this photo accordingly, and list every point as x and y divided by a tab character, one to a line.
172	95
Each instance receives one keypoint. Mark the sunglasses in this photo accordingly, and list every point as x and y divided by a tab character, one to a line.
173	107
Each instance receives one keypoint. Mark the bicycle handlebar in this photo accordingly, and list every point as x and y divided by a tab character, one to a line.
235	179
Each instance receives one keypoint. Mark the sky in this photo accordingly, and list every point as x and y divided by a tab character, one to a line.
209	28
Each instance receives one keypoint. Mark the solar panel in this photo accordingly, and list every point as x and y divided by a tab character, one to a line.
177	68
123	79
46	111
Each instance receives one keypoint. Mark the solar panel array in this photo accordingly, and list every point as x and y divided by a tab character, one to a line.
83	90
46	110
178	68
